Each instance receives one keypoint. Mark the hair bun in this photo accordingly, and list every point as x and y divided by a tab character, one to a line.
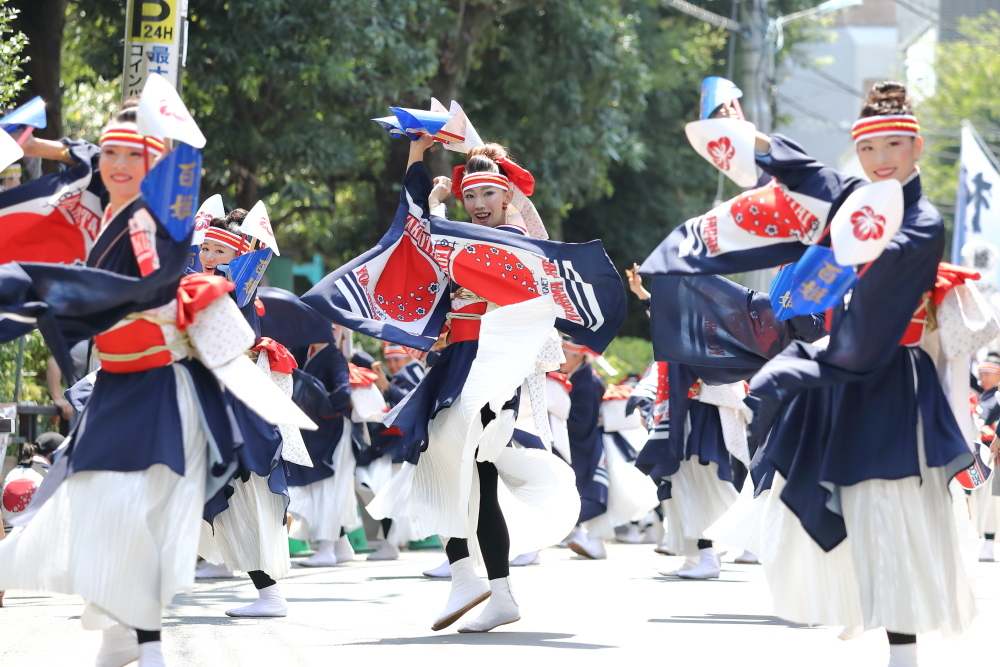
491	150
887	98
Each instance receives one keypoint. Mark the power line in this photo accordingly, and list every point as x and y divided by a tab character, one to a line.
812	114
829	78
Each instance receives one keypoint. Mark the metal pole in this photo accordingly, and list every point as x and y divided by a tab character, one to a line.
730	66
18	368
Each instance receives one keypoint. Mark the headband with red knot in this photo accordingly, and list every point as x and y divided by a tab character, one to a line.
517	174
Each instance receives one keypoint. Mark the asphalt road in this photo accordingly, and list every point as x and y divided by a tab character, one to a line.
574	612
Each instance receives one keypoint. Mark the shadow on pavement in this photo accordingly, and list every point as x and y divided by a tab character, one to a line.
509	638
733	619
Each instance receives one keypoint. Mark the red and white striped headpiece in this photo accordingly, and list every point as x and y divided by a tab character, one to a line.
989	367
882	126
126	135
390	350
573	346
227	238
481	178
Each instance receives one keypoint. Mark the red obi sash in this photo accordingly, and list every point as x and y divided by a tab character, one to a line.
140	344
466	325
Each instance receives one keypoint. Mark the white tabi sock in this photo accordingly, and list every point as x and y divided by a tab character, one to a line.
442	571
530	558
119	647
271	603
388	551
324	556
467	591
709	566
151	655
213	571
903	655
500	610
343	550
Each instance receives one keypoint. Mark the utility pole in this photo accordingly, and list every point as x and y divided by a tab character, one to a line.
155	42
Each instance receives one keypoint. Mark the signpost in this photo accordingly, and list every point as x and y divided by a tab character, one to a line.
155	41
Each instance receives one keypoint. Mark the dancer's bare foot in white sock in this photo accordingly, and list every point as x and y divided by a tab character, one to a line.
324	556
119	646
500	610
151	655
270	603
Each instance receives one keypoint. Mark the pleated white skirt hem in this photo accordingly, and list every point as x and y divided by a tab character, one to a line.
124	541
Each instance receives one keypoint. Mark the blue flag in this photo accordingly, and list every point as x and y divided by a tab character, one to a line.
781	294
246	272
31	113
171	190
818	282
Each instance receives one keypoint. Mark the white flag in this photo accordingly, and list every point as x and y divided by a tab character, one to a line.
163	114
210	210
977	209
460	124
258	225
10	151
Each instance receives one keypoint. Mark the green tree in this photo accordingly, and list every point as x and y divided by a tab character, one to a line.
965	73
12	59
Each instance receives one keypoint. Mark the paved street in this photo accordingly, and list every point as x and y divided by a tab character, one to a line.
575	611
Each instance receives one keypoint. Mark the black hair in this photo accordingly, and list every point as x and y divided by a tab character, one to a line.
27	453
227	224
887	98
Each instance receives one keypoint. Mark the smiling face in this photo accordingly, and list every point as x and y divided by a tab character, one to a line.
395	364
215	254
122	170
485	204
890	157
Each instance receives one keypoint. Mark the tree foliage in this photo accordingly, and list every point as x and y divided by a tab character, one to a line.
965	73
12	43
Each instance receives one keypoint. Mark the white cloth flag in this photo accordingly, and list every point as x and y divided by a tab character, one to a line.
977	209
163	114
258	225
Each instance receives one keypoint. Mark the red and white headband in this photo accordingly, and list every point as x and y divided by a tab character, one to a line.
482	178
989	367
126	135
572	346
227	238
882	126
391	350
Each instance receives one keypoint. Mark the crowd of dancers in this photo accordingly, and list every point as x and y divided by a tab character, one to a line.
214	419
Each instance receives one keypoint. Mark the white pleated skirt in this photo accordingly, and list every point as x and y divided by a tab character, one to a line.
124	541
321	509
900	568
631	494
741	525
698	499
440	494
249	534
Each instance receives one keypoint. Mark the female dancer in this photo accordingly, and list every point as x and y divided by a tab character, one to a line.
244	527
117	520
464	410
867	443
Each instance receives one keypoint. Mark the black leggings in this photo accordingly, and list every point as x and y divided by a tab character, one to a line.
494	540
260	579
